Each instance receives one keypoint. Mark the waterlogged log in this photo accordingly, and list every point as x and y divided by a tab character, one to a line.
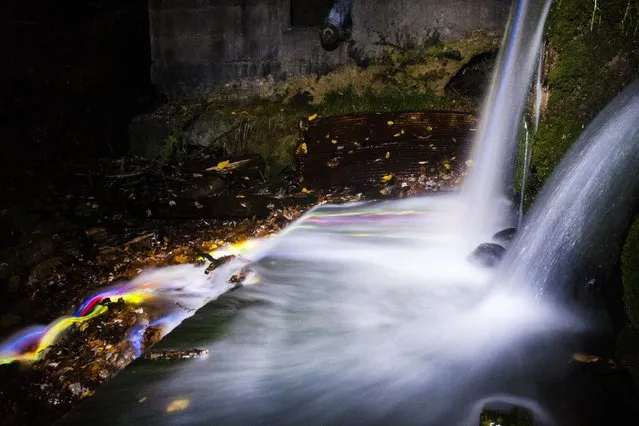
219	207
361	149
173	355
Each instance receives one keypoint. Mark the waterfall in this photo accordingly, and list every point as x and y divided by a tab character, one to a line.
585	208
488	188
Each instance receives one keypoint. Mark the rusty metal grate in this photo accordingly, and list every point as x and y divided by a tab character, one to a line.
359	149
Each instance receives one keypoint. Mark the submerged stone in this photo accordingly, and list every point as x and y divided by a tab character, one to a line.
505	236
487	255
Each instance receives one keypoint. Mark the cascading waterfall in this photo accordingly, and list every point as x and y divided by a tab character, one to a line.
596	182
489	186
525	168
371	313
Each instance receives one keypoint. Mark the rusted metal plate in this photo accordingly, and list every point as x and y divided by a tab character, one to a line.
358	150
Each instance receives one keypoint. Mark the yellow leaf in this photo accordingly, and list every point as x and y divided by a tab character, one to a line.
397	134
177	405
390	123
222	164
312	117
240	196
233	113
366	138
387	154
387	178
429	128
246	178
447	166
306	191
303	148
333	141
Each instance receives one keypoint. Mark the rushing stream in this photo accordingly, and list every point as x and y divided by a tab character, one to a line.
372	313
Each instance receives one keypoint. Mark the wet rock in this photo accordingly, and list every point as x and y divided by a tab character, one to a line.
505	236
210	127
487	255
151	336
216	263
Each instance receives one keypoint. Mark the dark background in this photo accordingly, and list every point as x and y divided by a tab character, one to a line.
75	72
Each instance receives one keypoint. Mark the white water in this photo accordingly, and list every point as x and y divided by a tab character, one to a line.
371	313
584	210
365	314
489	186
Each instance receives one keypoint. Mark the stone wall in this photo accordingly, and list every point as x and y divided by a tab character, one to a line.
198	45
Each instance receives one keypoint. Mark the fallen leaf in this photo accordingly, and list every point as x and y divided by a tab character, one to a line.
387	154
240	196
306	191
177	405
222	164
390	123
386	178
312	117
303	148
333	141
397	134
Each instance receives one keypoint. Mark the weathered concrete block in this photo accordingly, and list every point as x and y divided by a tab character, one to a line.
198	45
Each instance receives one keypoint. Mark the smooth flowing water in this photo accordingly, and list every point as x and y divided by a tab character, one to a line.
363	314
489	187
372	313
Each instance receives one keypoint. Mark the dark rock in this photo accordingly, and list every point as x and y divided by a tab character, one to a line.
211	127
487	255
505	236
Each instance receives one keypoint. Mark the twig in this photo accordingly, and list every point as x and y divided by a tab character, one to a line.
594	12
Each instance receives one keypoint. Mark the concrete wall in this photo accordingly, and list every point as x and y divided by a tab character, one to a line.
198	45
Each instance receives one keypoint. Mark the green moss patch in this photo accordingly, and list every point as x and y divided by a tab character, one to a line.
590	57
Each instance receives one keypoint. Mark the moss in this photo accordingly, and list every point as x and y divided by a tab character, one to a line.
426	70
513	417
585	69
590	57
630	274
